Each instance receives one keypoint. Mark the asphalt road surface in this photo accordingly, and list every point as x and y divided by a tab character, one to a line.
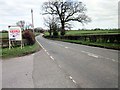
88	67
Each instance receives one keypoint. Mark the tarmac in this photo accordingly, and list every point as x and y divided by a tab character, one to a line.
36	70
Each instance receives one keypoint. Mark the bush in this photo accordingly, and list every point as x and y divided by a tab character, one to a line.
29	36
55	33
4	31
62	33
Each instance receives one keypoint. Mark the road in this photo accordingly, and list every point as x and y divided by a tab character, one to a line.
36	70
88	67
17	72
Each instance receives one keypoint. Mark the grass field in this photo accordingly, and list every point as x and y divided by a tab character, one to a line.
5	35
89	32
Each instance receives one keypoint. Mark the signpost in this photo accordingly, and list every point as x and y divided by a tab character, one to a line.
15	34
32	19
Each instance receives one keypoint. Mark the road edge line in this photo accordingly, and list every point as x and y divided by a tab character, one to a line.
40	44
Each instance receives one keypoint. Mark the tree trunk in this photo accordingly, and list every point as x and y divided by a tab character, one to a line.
50	32
63	29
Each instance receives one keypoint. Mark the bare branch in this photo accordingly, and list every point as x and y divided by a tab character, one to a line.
67	11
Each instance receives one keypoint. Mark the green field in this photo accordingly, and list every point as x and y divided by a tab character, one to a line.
5	35
89	32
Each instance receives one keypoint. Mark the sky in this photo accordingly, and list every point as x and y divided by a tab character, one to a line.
103	13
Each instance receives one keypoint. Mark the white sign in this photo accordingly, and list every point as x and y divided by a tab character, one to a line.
15	33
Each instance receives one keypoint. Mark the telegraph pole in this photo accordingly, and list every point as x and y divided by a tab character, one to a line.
32	19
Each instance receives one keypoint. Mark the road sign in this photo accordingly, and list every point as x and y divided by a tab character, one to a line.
15	33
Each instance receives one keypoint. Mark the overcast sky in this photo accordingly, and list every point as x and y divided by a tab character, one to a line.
104	13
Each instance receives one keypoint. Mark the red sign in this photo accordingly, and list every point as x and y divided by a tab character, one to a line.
14	31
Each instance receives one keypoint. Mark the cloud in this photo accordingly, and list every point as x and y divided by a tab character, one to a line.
103	13
15	10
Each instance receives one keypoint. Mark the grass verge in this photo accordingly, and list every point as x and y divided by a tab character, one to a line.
17	51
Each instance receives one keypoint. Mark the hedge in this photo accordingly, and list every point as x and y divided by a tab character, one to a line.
112	38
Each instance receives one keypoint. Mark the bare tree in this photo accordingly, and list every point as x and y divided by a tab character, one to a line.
24	25
21	24
48	24
66	11
52	24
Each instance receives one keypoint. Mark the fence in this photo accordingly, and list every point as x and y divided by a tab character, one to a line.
5	42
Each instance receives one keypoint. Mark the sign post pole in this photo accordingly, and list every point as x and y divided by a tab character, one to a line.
9	39
32	19
9	44
21	44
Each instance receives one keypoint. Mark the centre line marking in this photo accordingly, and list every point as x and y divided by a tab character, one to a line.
113	60
93	55
66	47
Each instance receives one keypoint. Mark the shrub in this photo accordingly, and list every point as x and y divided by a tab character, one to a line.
62	33
29	36
41	31
4	31
55	33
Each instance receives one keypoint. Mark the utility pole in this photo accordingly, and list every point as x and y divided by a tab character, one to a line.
32	19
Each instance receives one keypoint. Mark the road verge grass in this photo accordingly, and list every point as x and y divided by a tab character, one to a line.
18	52
76	33
115	46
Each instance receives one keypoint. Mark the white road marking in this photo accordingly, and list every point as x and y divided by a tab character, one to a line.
93	55
97	56
51	57
74	81
85	52
66	47
113	60
60	66
48	53
90	54
56	43
40	44
70	77
107	58
45	50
